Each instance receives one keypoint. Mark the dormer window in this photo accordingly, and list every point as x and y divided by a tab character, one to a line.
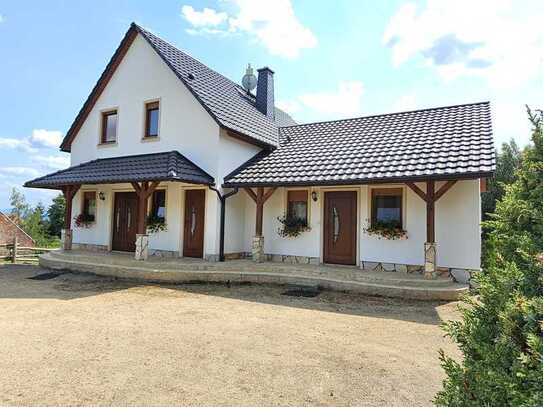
151	119
109	127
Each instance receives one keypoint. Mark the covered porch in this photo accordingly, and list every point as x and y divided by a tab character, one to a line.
118	199
341	223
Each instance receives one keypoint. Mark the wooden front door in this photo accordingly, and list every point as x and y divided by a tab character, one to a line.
125	216
193	236
340	227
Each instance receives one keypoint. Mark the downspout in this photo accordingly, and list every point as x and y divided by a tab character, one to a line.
222	198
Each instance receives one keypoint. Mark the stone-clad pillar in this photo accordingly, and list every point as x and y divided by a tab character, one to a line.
430	260
258	249
66	239
142	247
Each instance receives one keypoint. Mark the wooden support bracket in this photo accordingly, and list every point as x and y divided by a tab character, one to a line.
430	197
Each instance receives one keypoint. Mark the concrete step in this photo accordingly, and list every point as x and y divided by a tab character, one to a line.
163	272
326	271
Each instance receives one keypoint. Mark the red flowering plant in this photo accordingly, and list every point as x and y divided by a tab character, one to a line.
391	230
83	220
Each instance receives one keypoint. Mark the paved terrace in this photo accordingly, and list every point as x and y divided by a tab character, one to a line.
183	270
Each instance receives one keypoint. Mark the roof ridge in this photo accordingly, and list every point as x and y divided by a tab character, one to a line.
388	114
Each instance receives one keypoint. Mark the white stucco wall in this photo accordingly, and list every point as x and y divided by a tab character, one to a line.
457	227
184	125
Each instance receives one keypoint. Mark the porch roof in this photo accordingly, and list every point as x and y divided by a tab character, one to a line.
452	142
167	166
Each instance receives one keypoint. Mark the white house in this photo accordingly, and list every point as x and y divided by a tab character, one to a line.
164	142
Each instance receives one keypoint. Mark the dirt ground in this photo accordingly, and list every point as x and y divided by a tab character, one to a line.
81	340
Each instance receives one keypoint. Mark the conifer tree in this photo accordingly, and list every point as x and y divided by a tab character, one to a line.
501	330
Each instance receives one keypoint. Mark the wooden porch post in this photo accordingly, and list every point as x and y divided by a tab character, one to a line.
69	192
430	212
143	192
430	197
260	197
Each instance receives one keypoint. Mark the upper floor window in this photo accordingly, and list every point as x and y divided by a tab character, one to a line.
89	205
297	205
151	119
386	207
109	127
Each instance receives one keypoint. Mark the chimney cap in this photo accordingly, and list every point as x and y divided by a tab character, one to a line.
265	68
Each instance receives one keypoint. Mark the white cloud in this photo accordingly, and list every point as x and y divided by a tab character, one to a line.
46	138
54	162
206	17
2	18
19	171
17	144
345	101
271	23
499	40
40	138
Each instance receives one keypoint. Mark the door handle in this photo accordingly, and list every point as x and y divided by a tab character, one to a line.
337	225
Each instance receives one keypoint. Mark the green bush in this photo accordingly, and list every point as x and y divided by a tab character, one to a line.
501	331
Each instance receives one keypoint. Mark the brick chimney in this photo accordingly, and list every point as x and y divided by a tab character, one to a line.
264	92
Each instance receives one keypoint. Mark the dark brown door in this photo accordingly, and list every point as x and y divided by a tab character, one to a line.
125	221
193	236
340	227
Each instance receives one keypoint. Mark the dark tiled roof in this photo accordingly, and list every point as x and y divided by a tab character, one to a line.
453	141
169	166
224	99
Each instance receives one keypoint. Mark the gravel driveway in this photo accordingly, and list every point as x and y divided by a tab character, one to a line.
81	340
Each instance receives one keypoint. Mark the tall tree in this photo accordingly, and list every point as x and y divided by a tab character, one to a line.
507	163
501	331
55	213
19	207
36	225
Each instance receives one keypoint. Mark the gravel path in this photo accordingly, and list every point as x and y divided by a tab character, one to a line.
81	340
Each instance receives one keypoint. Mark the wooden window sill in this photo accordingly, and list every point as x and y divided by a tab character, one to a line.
150	139
104	145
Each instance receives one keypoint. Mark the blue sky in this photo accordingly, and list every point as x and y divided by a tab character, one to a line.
331	60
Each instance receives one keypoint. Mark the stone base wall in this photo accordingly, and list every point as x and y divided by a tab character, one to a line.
280	258
285	258
459	275
163	253
90	247
211	257
236	256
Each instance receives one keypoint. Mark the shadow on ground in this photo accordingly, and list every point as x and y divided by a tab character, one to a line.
17	282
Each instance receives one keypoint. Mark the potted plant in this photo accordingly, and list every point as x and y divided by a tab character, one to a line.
156	224
391	230
292	226
84	220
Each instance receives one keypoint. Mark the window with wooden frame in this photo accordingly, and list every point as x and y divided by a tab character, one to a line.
151	119
109	127
297	205
158	204
387	207
89	206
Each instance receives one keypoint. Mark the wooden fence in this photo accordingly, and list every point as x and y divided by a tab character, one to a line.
15	253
